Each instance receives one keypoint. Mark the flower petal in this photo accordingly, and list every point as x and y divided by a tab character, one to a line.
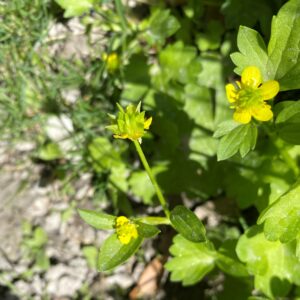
121	136
262	112
242	116
231	92
147	123
251	77
269	89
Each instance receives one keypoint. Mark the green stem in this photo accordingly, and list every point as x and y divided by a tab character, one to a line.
152	178
243	223
154	220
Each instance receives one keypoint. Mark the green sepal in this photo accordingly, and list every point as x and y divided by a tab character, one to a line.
146	230
113	252
98	220
187	224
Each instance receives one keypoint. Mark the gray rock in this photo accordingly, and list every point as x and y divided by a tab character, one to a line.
70	95
66	280
23	288
25	146
88	236
52	222
59	128
123	280
4	263
39	207
38	285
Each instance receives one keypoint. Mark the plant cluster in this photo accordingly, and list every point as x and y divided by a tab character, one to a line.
219	81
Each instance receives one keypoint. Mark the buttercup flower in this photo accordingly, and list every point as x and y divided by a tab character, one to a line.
126	230
112	61
130	124
248	96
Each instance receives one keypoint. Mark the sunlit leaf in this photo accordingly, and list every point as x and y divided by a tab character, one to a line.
191	262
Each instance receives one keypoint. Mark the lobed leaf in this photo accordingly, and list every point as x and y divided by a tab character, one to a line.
281	60
273	264
281	219
192	261
284	46
253	51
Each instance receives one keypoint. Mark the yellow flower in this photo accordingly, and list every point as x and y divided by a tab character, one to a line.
130	124
248	96
112	61
126	230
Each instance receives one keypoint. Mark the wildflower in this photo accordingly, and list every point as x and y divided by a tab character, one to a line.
112	61
248	96
126	230
130	124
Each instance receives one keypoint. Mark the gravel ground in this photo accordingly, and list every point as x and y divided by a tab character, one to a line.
69	275
56	268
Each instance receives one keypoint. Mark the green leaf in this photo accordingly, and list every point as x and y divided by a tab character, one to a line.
38	240
273	264
211	38
91	254
118	177
193	9
281	61
242	187
242	138
42	260
98	220
141	185
211	73
225	127
136	72
50	151
75	8
192	261
283	48
247	12
281	219
236	288
288	122
202	145
187	224
161	25
249	140
147	230
199	105
253	51
114	253
104	156
178	62
228	261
